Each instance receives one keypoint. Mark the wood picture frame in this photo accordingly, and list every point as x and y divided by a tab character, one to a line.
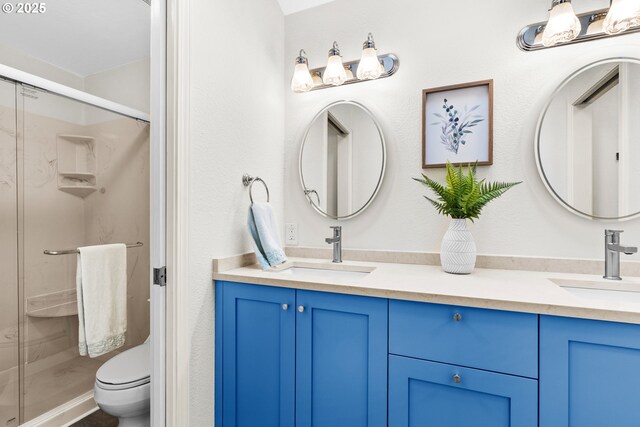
460	136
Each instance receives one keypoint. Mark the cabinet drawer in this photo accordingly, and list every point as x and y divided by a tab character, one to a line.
430	394
497	341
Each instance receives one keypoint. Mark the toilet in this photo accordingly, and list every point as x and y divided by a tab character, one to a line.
123	386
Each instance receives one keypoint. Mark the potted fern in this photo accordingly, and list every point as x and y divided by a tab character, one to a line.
461	198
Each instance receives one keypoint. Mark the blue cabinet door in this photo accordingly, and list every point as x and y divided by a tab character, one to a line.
257	366
431	394
341	360
589	373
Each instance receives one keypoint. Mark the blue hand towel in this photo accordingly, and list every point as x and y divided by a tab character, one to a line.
264	234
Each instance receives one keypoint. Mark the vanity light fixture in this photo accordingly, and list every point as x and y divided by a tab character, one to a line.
301	80
369	66
563	25
335	73
623	14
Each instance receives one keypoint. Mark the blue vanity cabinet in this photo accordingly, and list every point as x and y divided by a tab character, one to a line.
589	373
341	360
255	364
299	358
431	394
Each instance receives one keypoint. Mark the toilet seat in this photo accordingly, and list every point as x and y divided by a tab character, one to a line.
127	370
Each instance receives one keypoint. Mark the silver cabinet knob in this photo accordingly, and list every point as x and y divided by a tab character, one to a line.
456	378
285	307
457	317
301	308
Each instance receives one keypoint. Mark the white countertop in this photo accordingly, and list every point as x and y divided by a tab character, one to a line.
511	290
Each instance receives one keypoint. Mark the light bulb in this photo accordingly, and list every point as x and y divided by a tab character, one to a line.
369	66
596	24
301	80
623	14
563	25
347	69
334	74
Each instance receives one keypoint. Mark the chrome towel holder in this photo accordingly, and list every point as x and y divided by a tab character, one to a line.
248	180
77	251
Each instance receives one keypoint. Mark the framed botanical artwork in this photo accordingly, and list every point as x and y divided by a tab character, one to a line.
457	125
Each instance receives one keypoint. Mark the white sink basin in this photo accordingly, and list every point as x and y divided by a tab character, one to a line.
325	271
624	291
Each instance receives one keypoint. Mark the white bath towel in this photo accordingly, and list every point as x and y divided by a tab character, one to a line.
264	233
101	283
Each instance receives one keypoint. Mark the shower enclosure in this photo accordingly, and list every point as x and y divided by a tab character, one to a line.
71	175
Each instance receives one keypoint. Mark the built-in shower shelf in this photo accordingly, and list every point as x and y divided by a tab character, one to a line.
79	176
76	164
62	310
77	190
56	304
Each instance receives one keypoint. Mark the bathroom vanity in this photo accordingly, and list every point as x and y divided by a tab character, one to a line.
383	344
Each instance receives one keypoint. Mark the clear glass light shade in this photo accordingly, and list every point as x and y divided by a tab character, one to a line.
334	74
301	80
563	25
369	66
623	14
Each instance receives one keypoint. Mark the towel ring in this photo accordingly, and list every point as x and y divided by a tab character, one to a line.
248	181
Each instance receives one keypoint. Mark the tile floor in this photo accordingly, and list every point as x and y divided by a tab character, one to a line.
97	419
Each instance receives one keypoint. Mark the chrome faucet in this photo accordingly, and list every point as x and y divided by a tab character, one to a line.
336	240
612	250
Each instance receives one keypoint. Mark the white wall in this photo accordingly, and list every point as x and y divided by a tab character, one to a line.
21	61
127	84
237	126
443	43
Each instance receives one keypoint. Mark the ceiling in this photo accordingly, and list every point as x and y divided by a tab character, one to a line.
82	36
292	6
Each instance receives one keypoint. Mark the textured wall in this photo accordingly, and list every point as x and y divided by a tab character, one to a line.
237	125
443	43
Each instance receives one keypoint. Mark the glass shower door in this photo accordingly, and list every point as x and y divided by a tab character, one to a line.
9	359
84	176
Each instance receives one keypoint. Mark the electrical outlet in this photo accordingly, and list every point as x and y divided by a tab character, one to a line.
291	234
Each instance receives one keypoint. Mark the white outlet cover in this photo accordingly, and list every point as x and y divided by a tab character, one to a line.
291	234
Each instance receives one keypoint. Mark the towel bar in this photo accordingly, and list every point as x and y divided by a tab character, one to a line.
76	251
248	181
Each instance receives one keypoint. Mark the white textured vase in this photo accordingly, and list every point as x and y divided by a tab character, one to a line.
458	250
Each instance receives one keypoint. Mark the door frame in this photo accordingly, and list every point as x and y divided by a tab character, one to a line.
178	345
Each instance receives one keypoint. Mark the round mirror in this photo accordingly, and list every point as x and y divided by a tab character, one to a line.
587	145
342	160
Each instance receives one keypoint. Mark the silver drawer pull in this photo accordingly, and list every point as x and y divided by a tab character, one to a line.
456	378
457	317
301	308
285	307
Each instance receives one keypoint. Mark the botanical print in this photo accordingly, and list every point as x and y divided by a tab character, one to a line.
456	126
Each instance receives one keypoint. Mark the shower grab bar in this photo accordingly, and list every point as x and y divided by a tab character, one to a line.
76	251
